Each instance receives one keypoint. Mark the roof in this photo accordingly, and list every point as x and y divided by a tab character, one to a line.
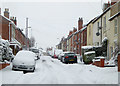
90	21
112	17
101	14
5	18
83	28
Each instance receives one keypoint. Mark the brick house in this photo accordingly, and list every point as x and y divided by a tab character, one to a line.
9	31
77	38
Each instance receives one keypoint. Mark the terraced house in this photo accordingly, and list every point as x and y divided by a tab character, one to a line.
9	31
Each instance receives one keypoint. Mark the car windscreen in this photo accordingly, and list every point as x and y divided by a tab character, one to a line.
35	50
69	54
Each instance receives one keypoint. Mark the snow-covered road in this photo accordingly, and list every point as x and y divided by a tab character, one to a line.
52	71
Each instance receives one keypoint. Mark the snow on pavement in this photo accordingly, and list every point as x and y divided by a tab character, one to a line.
52	71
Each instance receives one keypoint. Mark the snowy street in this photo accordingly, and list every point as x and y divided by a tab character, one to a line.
52	71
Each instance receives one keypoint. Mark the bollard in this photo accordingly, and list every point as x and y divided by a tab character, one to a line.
102	62
118	62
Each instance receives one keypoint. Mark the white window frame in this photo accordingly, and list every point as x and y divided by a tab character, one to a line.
104	23
115	26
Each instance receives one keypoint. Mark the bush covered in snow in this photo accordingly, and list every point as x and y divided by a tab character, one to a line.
5	51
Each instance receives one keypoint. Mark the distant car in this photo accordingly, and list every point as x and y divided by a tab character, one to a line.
36	51
24	60
60	56
69	57
57	52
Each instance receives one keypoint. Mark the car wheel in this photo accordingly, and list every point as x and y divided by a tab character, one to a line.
13	68
33	69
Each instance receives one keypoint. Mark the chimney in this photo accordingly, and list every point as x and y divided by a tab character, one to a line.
74	29
114	1
0	10
70	33
15	21
6	13
80	23
106	5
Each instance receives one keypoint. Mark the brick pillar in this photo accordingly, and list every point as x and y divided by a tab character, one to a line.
119	62
102	62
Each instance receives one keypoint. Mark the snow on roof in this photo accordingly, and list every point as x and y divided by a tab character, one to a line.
90	52
83	28
112	17
87	47
105	39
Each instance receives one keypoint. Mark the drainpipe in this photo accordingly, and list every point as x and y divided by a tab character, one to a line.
9	32
101	31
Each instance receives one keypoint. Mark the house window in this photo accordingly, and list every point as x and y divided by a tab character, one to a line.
111	51
104	23
98	26
115	26
89	30
97	43
81	37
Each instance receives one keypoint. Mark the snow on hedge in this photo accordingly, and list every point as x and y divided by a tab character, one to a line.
90	52
100	57
105	39
87	47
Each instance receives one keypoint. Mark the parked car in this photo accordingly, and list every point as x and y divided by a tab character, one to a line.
69	57
57	52
60	56
24	60
36	51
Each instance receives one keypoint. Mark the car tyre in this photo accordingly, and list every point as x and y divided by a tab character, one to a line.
33	69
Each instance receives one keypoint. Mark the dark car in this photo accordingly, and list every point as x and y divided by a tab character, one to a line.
69	57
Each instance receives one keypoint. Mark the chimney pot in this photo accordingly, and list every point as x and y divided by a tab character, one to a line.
6	13
0	10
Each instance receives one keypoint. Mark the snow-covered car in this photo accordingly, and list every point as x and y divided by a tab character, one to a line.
69	57
60	56
24	60
36	51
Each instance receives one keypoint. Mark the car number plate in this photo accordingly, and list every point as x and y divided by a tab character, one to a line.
71	60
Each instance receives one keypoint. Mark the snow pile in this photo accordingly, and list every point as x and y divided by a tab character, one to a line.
105	39
98	58
113	60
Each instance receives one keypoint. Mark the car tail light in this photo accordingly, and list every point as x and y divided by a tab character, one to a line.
75	56
66	57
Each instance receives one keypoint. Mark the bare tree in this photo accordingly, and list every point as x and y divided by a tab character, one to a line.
32	41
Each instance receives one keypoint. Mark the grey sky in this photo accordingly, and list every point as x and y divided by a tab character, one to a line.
52	20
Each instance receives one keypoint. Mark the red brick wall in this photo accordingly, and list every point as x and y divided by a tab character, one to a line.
5	29
84	37
119	62
0	25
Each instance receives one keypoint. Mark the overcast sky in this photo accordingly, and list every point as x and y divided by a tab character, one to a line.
50	21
